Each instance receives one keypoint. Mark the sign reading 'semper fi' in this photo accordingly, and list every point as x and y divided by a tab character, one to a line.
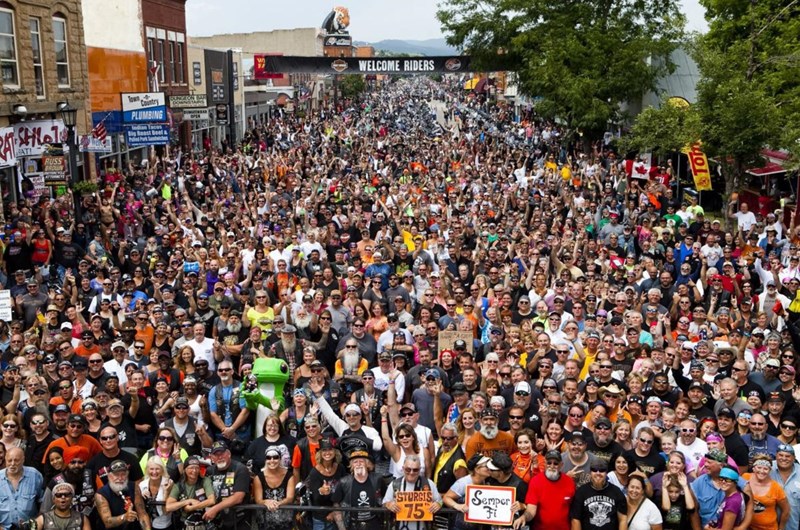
144	107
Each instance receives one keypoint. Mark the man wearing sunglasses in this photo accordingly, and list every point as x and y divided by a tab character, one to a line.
62	509
76	427
100	465
38	439
598	504
75	475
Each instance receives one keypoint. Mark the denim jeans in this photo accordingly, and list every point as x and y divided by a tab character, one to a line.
319	524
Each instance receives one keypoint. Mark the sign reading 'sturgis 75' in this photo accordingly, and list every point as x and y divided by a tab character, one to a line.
269	65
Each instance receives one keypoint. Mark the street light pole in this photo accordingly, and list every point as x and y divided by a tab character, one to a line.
69	115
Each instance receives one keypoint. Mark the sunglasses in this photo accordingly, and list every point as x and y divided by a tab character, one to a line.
268	458
788	426
62	495
9	425
107	438
166	439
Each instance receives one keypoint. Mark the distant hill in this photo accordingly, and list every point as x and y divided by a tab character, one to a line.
415	47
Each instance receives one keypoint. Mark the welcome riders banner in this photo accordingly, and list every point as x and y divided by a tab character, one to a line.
266	66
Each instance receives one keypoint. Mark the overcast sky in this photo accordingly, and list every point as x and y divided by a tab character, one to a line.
370	21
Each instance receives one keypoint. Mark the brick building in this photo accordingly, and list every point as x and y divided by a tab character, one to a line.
42	62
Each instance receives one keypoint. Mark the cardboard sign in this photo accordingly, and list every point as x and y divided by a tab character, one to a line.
448	338
414	505
5	305
490	505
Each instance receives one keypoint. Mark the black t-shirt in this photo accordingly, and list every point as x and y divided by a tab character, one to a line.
361	495
598	509
144	415
607	453
127	432
314	483
649	465
100	465
235	479
255	454
737	449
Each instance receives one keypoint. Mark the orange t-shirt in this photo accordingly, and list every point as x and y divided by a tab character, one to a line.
75	408
83	351
478	443
91	445
766	518
147	335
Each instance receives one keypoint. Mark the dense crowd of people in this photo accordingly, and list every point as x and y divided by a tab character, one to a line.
458	297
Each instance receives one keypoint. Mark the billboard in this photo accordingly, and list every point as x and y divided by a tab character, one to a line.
144	107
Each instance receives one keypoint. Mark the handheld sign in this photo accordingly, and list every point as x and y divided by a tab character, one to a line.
414	505
490	505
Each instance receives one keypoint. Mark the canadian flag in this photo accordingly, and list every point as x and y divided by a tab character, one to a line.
640	170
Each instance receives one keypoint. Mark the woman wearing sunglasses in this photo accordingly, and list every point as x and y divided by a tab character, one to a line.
273	486
406	444
167	448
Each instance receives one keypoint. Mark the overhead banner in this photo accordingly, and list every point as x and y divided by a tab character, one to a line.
32	137
147	134
267	66
144	107
699	166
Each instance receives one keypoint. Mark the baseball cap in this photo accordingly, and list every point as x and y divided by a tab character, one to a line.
61	408
117	466
552	455
717	455
219	446
522	386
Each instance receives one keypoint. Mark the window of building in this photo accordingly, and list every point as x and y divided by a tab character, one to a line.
8	49
173	78
36	47
181	73
62	52
161	74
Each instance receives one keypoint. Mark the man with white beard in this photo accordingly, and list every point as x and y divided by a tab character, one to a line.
489	439
302	321
349	367
543	489
233	337
119	503
289	349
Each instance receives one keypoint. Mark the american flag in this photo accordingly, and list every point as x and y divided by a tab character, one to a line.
99	132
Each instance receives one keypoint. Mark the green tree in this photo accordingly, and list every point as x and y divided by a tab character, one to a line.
352	85
582	58
749	92
663	130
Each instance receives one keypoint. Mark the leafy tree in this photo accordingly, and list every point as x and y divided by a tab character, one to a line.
663	130
583	58
352	85
749	92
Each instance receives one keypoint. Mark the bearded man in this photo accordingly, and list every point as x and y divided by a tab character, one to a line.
302	321
543	487
75	474
233	337
119	503
350	367
289	349
489	438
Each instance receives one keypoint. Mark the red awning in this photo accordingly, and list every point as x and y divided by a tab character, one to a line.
769	169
